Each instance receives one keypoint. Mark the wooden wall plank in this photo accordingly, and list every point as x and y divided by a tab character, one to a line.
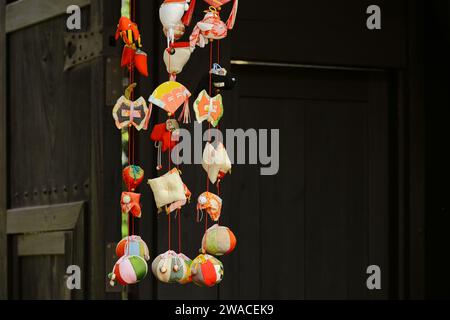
44	218
25	13
321	32
48	243
416	165
3	156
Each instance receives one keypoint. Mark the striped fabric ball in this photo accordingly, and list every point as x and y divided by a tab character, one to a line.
132	177
218	241
168	267
132	246
206	271
186	262
128	270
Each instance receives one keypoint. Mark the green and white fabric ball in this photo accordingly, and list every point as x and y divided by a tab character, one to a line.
218	241
128	270
168	267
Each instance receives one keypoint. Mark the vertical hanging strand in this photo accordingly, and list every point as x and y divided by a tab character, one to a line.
218	125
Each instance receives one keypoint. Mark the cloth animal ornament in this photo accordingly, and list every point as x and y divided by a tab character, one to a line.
132	53
208	29
169	268
130	202
176	58
133	246
206	271
174	15
209	109
127	113
216	162
221	80
128	270
169	191
169	96
211	203
132	176
218	241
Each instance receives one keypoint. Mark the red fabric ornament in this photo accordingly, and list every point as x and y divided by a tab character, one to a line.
130	202
161	134
132	177
140	61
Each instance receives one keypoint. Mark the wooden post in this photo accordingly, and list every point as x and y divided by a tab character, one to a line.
96	217
3	146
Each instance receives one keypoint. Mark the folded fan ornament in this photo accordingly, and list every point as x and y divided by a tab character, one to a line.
209	109
127	113
170	96
131	203
211	203
216	162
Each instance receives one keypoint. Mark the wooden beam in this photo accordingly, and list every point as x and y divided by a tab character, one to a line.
25	13
96	213
49	243
3	153
44	218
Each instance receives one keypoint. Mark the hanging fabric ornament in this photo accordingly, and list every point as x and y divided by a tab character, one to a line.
131	113
169	268
128	270
176	58
132	54
166	136
130	202
209	109
169	96
169	191
220	79
211	203
232	18
206	271
133	246
174	15
210	28
186	277
218	241
132	176
216	162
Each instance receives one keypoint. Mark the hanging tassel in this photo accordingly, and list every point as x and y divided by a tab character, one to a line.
185	114
233	14
187	18
158	146
149	114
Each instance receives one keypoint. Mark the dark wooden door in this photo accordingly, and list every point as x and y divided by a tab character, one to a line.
311	231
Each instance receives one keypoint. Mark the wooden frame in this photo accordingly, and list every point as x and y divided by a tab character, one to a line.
25	13
3	157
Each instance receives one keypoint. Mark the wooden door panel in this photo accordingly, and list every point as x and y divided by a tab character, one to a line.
310	231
